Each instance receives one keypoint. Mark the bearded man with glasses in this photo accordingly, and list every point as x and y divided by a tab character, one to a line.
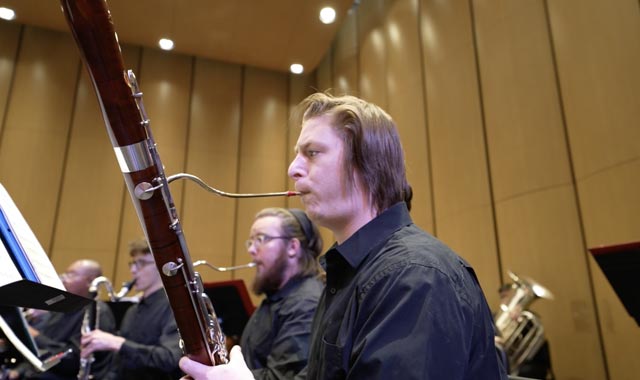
148	344
285	246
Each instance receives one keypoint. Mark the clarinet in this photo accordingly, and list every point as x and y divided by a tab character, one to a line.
91	317
91	321
120	99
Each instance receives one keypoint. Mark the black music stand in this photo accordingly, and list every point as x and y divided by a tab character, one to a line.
33	295
232	303
621	264
119	308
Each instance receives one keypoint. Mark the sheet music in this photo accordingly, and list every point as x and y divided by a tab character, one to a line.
8	271
32	249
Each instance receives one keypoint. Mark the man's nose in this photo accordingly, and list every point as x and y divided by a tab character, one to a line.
295	168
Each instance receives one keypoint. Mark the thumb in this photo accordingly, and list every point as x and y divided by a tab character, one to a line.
192	367
235	356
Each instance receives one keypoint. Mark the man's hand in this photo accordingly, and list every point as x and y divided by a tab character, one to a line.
98	340
236	369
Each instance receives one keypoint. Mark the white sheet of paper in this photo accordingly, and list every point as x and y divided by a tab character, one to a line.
8	271
33	250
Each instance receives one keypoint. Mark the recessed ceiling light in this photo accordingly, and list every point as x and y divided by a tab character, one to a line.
296	68
7	14
327	15
165	44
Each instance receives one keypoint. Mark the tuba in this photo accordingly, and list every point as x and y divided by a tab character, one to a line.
521	331
91	318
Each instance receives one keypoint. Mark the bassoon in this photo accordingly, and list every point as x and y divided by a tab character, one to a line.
128	127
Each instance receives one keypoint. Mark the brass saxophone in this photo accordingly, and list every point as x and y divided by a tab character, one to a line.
91	318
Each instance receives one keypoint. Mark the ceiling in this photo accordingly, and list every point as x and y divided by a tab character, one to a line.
270	34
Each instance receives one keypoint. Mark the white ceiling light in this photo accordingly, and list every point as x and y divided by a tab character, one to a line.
165	44
7	14
296	68
327	15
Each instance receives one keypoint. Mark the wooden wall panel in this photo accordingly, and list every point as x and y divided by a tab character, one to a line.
165	81
35	133
372	61
345	58
324	73
208	219
406	102
540	239
462	197
88	223
598	54
536	212
263	151
520	97
9	42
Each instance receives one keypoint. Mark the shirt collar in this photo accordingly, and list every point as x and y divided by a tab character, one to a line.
355	249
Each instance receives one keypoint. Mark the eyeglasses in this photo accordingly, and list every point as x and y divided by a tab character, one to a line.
262	239
139	264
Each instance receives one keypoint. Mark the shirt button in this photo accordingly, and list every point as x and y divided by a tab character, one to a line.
332	290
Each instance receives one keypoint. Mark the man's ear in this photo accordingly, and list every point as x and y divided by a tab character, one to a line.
293	247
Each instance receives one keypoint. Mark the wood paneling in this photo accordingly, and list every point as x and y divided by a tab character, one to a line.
540	239
345	58
406	102
598	55
9	41
462	197
214	131
263	157
324	74
88	222
373	57
536	210
36	130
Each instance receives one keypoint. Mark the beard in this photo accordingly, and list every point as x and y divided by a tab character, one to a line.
270	280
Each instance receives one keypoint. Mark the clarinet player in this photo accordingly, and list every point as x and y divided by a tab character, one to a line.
148	344
398	303
57	332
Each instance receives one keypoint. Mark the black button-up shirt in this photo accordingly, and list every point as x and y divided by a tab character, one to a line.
275	342
399	304
151	350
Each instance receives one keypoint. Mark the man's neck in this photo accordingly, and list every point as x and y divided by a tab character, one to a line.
344	232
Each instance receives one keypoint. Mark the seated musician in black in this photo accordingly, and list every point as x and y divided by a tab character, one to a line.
285	246
58	332
148	344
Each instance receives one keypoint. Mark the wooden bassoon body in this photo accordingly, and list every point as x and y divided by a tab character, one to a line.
128	128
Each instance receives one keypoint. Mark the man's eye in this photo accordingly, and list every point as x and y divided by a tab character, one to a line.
312	153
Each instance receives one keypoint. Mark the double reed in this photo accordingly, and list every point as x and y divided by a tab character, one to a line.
128	128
